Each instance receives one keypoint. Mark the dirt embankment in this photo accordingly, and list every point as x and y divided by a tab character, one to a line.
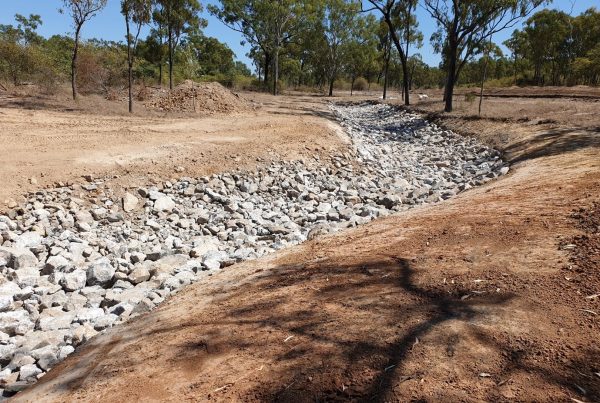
482	297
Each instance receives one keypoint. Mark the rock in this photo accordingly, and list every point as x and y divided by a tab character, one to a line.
83	333
55	263
168	264
46	359
74	281
15	322
105	321
54	319
28	240
164	203
64	352
5	375
29	372
137	257
7	352
143	306
27	277
130	202
18	258
6	303
84	217
89	315
212	260
203	245
139	275
19	360
100	272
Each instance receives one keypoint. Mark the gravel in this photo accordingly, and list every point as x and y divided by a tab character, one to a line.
77	260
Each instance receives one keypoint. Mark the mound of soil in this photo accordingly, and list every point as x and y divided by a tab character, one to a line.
198	97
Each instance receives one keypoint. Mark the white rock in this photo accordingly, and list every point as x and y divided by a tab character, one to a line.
164	203
15	322
74	281
28	372
130	202
100	272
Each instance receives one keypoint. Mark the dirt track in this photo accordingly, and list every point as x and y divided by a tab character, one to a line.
468	300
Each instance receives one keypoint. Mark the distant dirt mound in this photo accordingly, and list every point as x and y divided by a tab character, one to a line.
198	97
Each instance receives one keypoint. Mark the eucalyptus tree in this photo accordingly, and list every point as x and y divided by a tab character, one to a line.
399	15
362	52
179	19
80	11
339	20
267	25
464	26
136	13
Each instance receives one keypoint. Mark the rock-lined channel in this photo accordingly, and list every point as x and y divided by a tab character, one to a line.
77	260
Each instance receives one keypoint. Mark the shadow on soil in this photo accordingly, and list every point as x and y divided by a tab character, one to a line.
553	142
362	340
367	331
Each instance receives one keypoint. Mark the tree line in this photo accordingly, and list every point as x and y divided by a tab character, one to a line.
320	44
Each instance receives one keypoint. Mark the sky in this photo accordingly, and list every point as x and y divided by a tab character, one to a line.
109	24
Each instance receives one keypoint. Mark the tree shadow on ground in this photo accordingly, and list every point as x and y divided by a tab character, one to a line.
369	330
356	331
553	142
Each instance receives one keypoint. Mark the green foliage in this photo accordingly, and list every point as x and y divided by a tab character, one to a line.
22	57
556	48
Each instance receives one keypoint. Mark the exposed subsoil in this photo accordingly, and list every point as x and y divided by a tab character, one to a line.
489	296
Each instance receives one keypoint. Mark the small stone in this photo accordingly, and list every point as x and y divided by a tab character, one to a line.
164	203
130	202
74	281
139	275
29	372
100	272
83	333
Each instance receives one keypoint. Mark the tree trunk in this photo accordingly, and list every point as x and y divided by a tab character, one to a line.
386	67
485	68
451	79
352	86
385	76
160	73
331	81
267	68
74	63
276	69
129	65
405	83
170	59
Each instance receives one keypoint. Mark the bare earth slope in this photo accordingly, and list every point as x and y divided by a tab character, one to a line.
477	298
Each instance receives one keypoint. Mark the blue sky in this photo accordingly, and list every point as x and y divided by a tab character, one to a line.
109	23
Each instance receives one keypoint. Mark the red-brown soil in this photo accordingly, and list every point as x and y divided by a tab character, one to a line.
486	297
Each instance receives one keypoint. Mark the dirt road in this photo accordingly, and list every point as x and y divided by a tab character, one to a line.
486	297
